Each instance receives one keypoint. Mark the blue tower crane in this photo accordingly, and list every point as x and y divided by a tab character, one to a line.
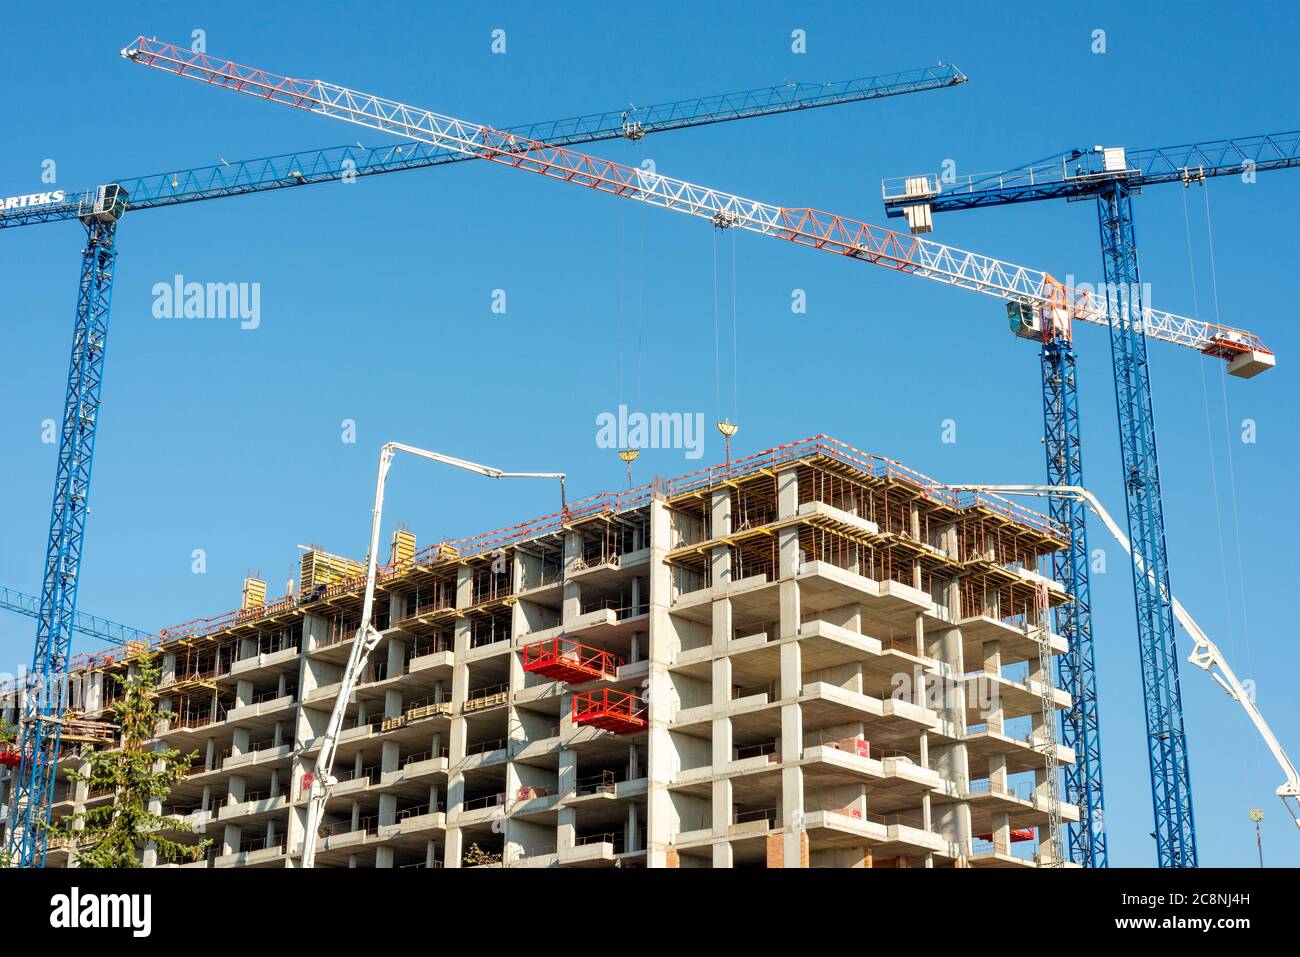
100	209
1111	176
92	626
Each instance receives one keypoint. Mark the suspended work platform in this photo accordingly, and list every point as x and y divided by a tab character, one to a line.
566	660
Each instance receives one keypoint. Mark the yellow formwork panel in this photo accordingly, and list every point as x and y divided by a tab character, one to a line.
321	568
254	593
403	550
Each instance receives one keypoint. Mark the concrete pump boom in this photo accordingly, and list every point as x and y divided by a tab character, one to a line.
1205	653
321	780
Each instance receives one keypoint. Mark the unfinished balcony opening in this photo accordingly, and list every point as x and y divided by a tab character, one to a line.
994	539
434	591
440	639
755	749
484	792
624	600
198	666
492	578
755	558
837	488
196	710
482	846
691	572
489	688
271	641
691	750
487	735
608	540
759	816
541	563
490	627
753	504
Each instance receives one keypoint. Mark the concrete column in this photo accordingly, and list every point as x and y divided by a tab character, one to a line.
661	817
998	772
390	757
396	606
571	606
1001	832
631	838
993	667
565	831
720	522
454	849
396	657
723	795
953	821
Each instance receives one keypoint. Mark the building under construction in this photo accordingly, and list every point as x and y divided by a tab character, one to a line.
808	657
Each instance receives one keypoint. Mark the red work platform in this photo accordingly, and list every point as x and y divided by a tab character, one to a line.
565	660
609	710
1017	834
10	759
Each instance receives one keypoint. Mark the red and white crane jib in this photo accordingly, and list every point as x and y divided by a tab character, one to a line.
806	227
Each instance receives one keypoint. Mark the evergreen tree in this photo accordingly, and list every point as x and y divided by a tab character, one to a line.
114	835
8	739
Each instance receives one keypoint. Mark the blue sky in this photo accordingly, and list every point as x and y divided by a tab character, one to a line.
376	302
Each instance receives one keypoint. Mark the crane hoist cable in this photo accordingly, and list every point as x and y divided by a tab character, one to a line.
1227	443
735	368
1247	760
718	362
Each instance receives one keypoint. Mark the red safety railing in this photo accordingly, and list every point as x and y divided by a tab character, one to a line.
610	710
566	660
603	504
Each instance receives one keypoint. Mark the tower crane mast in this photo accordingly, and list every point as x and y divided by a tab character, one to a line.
1112	176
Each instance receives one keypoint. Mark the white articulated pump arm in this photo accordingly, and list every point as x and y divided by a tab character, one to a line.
1205	653
322	780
